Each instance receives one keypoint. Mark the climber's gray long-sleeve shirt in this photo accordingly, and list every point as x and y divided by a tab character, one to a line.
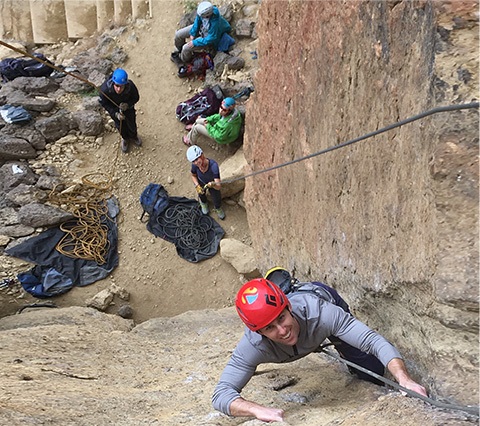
318	319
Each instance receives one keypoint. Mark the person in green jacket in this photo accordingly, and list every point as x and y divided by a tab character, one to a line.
223	127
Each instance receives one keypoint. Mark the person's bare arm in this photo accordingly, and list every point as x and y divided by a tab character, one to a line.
242	408
215	184
398	370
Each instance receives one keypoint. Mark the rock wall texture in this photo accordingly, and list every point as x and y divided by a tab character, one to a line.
77	366
391	221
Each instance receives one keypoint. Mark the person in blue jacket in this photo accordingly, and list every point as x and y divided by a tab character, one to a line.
205	33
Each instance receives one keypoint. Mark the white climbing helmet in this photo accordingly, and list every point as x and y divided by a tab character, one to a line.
205	9
193	153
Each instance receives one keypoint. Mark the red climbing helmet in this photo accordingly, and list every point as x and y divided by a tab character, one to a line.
259	302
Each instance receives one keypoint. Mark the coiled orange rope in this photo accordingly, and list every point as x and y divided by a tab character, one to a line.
86	236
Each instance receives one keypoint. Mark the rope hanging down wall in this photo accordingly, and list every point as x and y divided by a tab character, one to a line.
361	138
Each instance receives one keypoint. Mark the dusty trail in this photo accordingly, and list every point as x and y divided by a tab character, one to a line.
159	281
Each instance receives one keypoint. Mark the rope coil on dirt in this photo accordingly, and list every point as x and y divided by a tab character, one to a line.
86	237
187	226
467	409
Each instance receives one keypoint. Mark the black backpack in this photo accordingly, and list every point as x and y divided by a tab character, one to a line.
154	199
11	68
198	67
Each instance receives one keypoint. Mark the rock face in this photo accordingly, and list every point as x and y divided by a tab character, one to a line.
392	221
92	368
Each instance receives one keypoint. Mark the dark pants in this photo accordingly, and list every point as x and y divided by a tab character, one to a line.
128	126
216	197
352	354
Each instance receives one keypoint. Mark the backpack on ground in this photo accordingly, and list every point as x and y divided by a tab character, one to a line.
11	68
201	62
154	199
205	103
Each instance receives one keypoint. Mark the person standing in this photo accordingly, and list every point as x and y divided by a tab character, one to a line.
206	176
222	127
118	95
205	33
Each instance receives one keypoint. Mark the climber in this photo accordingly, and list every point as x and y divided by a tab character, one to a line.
282	328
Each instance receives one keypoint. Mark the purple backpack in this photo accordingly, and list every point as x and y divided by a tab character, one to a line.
205	103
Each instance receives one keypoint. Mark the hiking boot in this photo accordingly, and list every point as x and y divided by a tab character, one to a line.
175	58
220	213
124	145
137	141
204	207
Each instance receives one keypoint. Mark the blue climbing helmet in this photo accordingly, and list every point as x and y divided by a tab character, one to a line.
229	102
120	77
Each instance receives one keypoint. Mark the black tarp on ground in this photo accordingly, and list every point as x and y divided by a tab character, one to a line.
196	236
56	273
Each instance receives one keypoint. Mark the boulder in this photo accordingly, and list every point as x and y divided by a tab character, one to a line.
13	174
30	103
101	300
56	126
50	182
8	216
25	194
39	215
16	231
34	85
240	256
231	169
13	148
90	123
27	132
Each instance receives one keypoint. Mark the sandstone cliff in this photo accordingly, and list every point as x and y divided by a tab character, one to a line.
391	221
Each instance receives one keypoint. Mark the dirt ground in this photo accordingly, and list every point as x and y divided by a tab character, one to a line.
160	282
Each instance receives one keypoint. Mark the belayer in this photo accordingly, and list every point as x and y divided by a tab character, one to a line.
205	174
283	327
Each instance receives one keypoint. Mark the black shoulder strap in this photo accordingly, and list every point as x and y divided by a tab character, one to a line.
318	291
